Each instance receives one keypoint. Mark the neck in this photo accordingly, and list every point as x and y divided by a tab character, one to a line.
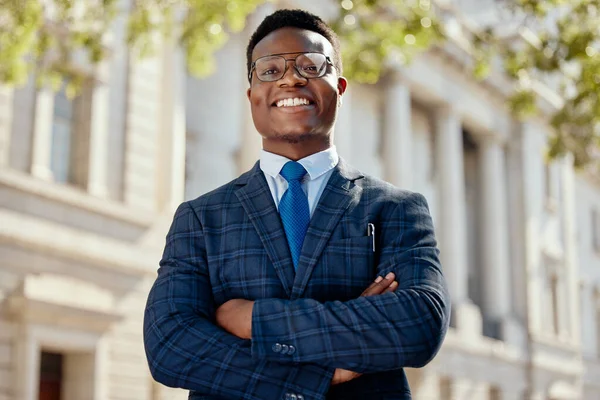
295	150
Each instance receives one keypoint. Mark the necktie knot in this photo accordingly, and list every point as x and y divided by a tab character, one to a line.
292	171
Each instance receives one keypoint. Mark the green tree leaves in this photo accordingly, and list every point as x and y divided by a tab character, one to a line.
201	27
559	45
20	21
375	32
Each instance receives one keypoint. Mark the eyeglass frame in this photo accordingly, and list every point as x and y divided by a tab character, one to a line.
253	65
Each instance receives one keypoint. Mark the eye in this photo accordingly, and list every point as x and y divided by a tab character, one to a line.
269	72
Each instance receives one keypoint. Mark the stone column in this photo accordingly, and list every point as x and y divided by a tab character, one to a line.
27	365
497	289
171	139
101	369
142	131
452	221
398	146
342	137
571	321
98	162
451	229
6	115
494	220
79	376
22	126
517	222
251	141
533	139
42	135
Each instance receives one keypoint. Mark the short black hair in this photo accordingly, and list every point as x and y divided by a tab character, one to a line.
295	19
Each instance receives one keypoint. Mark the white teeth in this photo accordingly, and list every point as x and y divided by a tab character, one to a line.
297	101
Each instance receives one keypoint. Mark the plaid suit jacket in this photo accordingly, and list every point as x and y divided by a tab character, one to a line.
230	244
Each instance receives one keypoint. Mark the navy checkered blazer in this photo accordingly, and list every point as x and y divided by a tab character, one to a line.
230	244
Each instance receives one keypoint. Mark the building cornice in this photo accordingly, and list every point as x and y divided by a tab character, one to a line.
54	240
42	312
75	197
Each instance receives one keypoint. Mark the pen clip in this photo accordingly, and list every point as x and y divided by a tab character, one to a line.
371	232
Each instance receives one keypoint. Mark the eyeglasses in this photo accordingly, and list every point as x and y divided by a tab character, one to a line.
272	68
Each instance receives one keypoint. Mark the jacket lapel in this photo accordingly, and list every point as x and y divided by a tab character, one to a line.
338	194
257	200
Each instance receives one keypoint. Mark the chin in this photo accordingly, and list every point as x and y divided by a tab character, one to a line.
294	137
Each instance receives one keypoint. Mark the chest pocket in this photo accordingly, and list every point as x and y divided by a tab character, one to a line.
345	269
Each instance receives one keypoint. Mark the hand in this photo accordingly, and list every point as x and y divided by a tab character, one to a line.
343	375
379	286
235	316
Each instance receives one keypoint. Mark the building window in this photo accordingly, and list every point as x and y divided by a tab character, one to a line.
596	230
70	137
51	376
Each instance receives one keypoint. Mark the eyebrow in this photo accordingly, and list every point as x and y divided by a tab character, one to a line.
284	54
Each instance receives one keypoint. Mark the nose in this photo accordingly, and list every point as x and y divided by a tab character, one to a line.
291	77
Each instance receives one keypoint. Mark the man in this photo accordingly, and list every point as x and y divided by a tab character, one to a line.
303	278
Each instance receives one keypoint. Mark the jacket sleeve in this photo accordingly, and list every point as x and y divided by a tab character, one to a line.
404	328
186	349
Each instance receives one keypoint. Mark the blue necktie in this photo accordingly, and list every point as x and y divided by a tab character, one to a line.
293	208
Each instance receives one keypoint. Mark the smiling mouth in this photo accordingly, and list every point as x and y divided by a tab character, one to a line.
293	102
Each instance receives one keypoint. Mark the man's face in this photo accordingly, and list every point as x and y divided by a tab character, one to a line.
301	122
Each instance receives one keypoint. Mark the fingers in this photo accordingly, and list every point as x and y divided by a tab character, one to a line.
381	285
368	289
392	287
343	375
336	377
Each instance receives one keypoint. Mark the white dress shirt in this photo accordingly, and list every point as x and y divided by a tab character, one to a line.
319	167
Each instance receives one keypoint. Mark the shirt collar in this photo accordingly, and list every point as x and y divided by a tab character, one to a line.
316	164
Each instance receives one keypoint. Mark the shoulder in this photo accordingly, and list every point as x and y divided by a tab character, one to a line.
397	208
372	186
223	195
215	196
382	191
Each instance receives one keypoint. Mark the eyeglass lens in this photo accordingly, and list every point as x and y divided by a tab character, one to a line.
308	65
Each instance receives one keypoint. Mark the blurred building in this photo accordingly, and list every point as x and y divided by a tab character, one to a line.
88	187
87	192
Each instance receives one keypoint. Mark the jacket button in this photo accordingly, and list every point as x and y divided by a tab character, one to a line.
293	397
284	349
291	351
288	396
300	397
276	348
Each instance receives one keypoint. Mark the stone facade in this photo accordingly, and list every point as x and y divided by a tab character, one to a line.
78	256
520	238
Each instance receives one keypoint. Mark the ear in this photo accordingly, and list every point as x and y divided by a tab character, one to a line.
342	85
248	92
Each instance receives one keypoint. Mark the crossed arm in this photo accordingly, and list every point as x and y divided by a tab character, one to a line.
192	344
235	316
